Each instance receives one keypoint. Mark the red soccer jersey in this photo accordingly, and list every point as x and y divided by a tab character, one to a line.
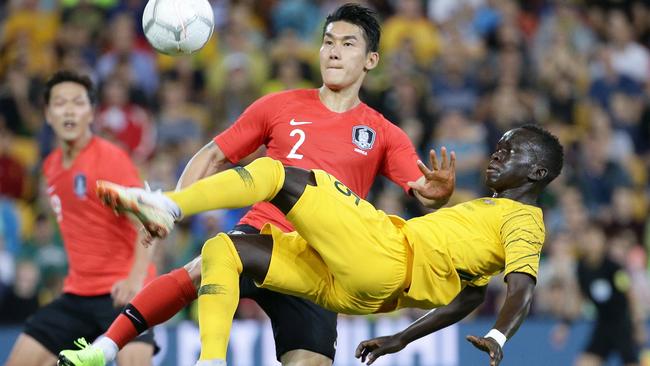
100	245
299	130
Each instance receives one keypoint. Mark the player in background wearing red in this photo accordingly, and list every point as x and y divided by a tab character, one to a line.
327	128
107	266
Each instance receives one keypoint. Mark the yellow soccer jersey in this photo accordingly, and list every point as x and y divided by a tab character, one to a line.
467	244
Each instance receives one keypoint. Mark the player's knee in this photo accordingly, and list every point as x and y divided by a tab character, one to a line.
193	268
219	250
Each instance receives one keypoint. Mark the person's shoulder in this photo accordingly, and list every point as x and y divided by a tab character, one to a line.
50	161
287	95
376	116
106	148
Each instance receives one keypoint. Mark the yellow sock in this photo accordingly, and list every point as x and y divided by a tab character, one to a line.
218	295
259	181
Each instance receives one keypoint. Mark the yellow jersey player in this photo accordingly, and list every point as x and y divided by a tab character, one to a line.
351	258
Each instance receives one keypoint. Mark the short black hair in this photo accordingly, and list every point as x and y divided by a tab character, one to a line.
361	17
548	150
71	76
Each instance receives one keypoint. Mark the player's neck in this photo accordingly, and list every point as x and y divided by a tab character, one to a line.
71	149
523	194
339	101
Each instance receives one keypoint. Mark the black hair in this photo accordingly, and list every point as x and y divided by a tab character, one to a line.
361	17
71	76
548	150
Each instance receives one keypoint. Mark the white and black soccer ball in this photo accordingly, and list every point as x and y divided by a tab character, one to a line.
176	27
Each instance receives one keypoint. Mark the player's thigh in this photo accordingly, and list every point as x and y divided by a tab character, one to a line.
298	324
294	267
342	228
302	357
27	351
135	354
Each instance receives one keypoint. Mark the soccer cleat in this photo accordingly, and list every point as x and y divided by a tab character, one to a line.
148	207
87	355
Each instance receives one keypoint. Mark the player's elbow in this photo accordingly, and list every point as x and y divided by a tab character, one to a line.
522	286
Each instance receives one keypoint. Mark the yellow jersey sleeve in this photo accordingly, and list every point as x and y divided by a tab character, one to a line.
522	235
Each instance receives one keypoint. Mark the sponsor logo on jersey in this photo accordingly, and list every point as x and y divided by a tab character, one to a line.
298	123
80	185
363	137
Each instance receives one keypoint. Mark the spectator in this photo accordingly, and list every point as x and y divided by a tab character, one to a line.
21	299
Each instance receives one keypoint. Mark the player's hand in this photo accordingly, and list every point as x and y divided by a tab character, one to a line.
124	290
488	345
439	181
146	239
372	349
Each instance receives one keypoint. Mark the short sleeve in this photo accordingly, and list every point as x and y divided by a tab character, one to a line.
522	235
400	162
250	130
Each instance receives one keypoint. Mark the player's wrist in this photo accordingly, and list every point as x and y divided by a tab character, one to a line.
499	337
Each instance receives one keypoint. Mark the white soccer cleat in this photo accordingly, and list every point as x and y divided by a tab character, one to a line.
153	209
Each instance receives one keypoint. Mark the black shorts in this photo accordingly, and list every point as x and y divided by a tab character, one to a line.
608	338
58	324
297	323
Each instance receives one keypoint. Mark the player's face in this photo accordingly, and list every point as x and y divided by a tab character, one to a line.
511	163
343	57
69	111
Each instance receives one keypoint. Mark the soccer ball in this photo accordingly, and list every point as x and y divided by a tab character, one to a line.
176	27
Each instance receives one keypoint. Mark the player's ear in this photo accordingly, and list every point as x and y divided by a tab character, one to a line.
372	60
537	173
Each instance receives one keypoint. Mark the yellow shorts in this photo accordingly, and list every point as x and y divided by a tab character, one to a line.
345	255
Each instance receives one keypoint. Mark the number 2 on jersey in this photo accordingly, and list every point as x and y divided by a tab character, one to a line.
301	139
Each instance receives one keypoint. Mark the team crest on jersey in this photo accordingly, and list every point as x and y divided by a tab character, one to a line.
80	185
363	137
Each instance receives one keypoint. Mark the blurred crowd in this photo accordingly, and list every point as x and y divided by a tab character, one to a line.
454	73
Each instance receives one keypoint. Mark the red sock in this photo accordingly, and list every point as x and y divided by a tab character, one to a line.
156	303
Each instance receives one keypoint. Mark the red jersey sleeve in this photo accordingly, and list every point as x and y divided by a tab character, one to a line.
400	161
250	130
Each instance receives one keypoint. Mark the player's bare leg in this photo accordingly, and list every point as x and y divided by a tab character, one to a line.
135	354
194	269
29	352
303	357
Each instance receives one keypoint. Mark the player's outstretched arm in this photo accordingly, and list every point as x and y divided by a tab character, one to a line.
512	314
437	184
463	304
207	161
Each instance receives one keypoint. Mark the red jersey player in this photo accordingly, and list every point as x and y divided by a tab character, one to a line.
327	128
106	267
